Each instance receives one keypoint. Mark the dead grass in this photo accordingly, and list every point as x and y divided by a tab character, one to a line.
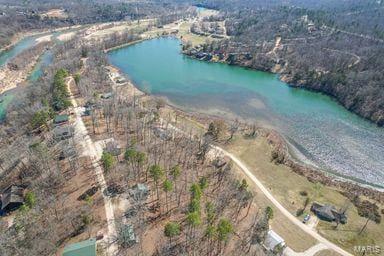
286	186
185	34
55	13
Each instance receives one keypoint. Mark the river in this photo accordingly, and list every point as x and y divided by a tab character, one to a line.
319	130
44	60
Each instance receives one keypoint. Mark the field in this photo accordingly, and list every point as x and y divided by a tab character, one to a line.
287	186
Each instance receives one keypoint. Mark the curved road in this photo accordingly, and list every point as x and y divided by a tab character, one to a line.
281	208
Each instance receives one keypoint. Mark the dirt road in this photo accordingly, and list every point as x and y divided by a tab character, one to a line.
281	208
91	150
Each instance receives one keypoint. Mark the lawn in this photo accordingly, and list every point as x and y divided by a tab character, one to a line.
287	187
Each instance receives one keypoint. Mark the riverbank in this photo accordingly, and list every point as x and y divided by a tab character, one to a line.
10	79
20	36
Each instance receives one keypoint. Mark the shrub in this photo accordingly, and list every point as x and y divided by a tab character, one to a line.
29	199
108	161
303	193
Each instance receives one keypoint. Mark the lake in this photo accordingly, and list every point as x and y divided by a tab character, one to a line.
320	130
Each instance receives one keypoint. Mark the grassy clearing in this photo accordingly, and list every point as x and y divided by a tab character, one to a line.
287	185
185	34
294	237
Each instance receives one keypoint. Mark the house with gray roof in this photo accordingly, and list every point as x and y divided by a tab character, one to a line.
328	212
11	199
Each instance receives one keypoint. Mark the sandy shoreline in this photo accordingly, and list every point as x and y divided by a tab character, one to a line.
20	36
10	79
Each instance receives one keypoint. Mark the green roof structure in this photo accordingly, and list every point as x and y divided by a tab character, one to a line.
61	119
84	248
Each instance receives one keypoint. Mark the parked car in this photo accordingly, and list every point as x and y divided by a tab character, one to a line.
306	218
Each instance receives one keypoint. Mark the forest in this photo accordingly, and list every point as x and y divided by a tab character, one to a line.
325	46
29	15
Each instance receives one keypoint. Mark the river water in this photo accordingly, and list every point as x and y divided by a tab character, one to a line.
320	130
43	62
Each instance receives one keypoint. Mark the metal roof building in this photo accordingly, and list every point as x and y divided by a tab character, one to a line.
272	240
84	248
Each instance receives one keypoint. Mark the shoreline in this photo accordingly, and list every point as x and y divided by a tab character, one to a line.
22	35
292	154
282	148
286	79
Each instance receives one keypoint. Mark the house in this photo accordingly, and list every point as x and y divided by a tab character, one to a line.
88	108
139	191
273	241
63	133
120	80
328	212
84	248
113	149
163	134
107	95
67	152
11	199
59	119
128	236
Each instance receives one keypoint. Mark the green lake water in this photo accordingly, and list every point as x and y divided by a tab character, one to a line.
320	130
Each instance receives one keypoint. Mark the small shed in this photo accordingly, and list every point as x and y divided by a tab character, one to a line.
12	198
273	240
84	248
59	119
